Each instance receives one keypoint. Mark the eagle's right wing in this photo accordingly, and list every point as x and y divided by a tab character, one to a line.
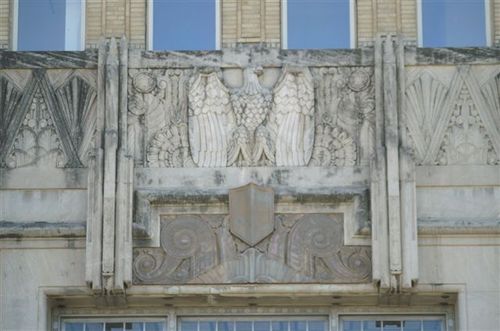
210	121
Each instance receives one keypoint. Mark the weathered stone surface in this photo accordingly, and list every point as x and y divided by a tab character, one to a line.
303	248
52	60
453	121
206	124
251	213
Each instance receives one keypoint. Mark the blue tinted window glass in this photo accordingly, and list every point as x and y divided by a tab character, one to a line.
208	326
318	24
433	325
351	326
262	326
225	326
74	326
183	25
243	326
372	326
49	25
153	326
453	23
298	326
280	326
317	326
412	325
94	327
189	326
41	25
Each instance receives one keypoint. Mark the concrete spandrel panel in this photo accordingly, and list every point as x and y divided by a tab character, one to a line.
52	206
467	206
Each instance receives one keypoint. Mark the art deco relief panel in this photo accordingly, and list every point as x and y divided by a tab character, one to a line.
249	116
47	117
306	117
452	115
251	244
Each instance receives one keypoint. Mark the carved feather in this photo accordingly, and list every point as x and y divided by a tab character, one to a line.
292	118
210	121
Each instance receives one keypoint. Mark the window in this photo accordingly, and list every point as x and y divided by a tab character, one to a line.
183	25
318	24
114	325
453	23
390	323
48	25
281	323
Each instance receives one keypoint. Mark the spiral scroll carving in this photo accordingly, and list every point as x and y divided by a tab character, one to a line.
319	236
186	236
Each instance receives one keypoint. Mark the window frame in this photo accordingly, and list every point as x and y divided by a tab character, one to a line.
15	25
487	23
390	317
334	314
112	319
352	24
150	24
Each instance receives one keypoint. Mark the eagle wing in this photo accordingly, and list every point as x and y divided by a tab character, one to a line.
210	120
292	118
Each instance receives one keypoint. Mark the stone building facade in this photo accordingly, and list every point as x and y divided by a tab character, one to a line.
326	189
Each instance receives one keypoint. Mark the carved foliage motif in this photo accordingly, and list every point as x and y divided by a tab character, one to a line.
48	126
157	127
302	248
451	125
344	132
466	140
37	142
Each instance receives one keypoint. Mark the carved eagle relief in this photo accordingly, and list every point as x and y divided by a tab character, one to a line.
246	127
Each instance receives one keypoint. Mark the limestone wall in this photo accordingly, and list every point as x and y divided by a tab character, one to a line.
360	181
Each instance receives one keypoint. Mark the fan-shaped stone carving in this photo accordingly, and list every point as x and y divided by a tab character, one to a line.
425	99
169	148
78	107
333	147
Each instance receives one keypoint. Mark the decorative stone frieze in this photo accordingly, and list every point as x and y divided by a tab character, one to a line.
50	121
452	122
183	118
200	249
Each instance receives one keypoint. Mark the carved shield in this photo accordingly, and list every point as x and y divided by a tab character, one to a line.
251	210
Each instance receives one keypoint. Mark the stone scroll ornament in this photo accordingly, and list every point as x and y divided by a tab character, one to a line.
252	245
246	127
303	248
